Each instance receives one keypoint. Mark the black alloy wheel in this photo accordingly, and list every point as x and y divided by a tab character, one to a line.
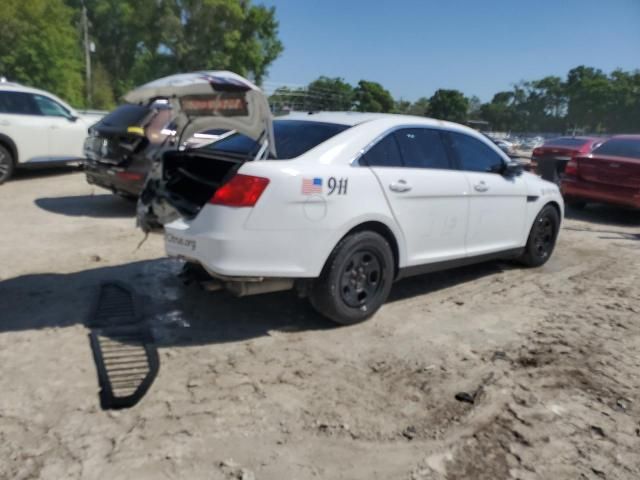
356	279
542	238
361	279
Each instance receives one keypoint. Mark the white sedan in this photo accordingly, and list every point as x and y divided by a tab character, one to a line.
337	205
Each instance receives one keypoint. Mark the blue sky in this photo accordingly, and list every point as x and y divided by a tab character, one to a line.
414	47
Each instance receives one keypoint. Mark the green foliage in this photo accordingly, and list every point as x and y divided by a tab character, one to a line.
418	108
449	105
372	97
330	94
588	100
39	47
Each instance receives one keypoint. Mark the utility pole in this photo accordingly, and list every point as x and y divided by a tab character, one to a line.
87	54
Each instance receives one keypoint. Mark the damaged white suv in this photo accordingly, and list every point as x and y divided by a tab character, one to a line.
338	205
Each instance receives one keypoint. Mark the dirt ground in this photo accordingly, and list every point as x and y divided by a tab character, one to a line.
263	388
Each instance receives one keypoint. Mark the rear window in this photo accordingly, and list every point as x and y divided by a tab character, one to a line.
293	138
126	116
620	147
566	142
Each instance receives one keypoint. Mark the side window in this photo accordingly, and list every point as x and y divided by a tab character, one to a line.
385	153
50	108
474	155
422	148
18	103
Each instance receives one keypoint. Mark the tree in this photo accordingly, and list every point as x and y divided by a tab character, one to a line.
372	97
140	40
449	105
418	108
326	93
39	47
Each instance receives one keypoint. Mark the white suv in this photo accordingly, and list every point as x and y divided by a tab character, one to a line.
37	129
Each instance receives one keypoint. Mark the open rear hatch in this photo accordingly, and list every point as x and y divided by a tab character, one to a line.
182	181
116	137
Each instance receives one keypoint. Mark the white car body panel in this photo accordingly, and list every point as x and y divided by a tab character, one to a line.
288	234
39	139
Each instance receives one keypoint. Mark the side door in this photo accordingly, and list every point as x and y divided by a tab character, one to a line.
21	121
498	203
66	133
427	195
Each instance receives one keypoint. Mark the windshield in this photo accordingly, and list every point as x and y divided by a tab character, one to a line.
620	147
293	138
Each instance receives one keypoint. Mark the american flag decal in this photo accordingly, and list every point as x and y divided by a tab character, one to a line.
311	186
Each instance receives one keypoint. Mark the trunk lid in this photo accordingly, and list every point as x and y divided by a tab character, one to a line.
610	170
212	99
181	182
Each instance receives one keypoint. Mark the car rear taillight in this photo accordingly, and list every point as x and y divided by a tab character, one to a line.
129	176
240	191
572	168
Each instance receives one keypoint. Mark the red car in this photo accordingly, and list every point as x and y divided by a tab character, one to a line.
550	160
609	174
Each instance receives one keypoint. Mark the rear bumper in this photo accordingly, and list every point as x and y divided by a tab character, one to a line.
597	192
112	179
236	251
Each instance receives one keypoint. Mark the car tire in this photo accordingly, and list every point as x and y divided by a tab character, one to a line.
356	279
542	237
7	164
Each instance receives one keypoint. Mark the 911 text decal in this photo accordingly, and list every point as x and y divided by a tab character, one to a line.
337	186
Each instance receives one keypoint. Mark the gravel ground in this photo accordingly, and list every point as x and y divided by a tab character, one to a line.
544	362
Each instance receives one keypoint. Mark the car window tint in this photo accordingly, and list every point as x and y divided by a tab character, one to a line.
474	155
293	138
620	147
49	107
19	103
385	153
422	148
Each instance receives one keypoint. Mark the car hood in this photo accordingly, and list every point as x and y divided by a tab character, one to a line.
212	99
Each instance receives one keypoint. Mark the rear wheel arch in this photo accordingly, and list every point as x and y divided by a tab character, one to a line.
383	230
555	205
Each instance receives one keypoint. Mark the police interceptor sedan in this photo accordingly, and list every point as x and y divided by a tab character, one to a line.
337	205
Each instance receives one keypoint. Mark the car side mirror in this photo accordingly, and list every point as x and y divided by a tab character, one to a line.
72	118
512	169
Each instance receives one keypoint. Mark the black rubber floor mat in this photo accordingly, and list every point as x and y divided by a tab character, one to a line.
123	350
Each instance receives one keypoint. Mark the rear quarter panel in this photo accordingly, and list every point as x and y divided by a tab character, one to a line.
311	224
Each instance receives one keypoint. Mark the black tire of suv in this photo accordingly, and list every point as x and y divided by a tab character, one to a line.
7	164
363	259
542	237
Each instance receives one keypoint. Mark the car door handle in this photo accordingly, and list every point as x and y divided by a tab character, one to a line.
481	187
400	186
5	123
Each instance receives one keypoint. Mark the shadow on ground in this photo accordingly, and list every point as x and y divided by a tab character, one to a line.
97	206
605	215
184	315
30	173
174	314
604	219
